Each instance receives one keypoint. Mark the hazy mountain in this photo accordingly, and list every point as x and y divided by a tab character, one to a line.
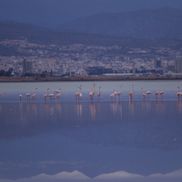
148	24
13	30
20	31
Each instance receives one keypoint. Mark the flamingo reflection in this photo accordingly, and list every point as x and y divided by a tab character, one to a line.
79	109
93	111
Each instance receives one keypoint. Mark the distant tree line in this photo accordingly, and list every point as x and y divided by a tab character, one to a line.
9	72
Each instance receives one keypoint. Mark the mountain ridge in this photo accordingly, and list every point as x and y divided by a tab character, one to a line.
143	24
31	33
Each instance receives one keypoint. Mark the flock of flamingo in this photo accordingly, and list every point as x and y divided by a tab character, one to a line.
93	93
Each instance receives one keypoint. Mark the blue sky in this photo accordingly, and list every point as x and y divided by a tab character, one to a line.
55	12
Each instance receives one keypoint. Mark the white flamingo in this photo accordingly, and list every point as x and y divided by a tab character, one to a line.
50	95
145	93
28	95
99	92
113	93
57	93
148	92
20	96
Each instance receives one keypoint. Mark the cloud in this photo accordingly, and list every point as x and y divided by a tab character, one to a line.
62	176
118	175
75	175
175	176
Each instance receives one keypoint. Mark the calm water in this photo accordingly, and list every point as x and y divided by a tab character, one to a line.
102	139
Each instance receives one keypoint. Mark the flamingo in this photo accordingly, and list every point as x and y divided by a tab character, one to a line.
33	95
114	94
148	92
28	95
92	92
118	93
159	93
50	95
179	93
78	93
131	93
20	96
145	93
46	94
99	92
57	93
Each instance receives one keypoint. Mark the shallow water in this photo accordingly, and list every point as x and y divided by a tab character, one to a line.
90	140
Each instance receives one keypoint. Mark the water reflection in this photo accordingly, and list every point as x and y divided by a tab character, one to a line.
93	110
146	106
79	109
179	105
131	106
123	134
116	108
68	114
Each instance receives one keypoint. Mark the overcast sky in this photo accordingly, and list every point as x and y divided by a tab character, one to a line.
54	12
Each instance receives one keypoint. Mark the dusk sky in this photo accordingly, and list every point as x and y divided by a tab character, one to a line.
55	12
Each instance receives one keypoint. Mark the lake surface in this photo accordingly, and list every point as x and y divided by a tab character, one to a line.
102	138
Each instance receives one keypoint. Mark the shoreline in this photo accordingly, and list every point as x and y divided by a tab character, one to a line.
89	78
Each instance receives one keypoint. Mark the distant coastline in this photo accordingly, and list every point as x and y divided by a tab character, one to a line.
88	78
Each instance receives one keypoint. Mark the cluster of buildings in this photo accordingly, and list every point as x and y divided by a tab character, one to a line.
83	60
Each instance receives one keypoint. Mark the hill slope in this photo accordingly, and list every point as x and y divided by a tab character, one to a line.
144	24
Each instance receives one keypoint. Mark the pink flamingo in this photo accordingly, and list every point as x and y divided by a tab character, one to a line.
78	93
145	93
33	95
179	93
115	94
92	92
159	93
